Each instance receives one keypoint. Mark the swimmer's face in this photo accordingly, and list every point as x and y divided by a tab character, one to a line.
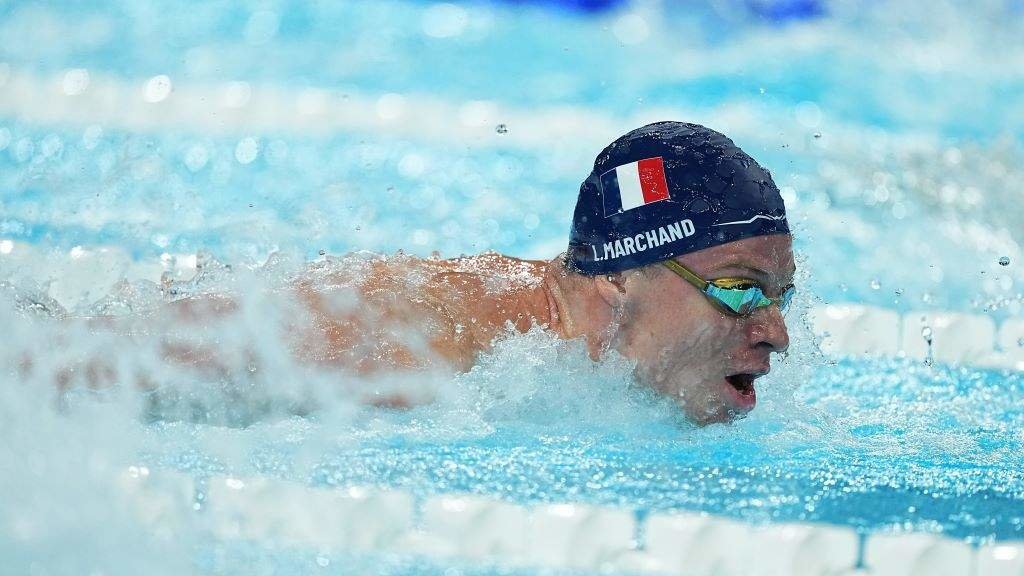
689	350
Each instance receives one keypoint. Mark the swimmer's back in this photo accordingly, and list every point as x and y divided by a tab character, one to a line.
403	312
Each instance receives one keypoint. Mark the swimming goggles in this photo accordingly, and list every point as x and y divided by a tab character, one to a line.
736	296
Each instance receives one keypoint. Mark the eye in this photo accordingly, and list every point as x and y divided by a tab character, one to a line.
735	283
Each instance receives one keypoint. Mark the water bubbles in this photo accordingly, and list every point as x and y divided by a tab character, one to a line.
76	81
1004	261
808	114
23	149
138	471
501	129
875	284
246	150
926	333
631	29
196	157
444	20
817	134
51	145
157	89
91	136
322	561
412	165
899	292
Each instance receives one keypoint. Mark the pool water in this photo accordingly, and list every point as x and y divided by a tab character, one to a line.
900	174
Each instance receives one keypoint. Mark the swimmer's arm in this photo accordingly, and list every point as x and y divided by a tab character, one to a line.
100	371
368	338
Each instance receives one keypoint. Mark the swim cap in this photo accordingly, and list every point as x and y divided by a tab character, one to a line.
667	189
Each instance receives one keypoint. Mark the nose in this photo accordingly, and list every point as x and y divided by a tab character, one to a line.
767	329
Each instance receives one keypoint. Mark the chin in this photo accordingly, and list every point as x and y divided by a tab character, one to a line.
720	416
718	412
705	402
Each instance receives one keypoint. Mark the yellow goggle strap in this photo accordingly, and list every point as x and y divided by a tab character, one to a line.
698	282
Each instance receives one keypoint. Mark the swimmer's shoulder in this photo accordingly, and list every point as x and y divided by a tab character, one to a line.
489	290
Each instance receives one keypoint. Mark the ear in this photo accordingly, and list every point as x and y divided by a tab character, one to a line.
611	288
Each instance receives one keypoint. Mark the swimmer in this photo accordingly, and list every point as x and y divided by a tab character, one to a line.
679	259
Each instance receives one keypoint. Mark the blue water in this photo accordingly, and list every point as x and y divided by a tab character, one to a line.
901	176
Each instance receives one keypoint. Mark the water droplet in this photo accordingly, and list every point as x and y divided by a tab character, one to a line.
246	150
1004	261
875	284
899	291
196	158
501	129
1020	342
323	252
322	561
817	134
76	81
928	361
157	88
926	333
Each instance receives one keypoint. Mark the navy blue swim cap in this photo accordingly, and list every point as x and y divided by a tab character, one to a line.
667	189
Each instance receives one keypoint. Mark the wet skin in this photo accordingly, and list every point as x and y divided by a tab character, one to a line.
403	313
684	347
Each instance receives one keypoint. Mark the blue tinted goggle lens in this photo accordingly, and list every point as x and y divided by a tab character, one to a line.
744	301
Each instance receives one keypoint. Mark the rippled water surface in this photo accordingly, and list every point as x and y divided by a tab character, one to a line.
893	132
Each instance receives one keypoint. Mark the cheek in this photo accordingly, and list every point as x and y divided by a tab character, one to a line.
682	334
690	324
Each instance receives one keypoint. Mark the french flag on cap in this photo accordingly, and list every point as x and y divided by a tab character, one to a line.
634	184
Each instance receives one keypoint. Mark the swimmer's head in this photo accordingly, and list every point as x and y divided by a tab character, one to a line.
685	193
667	189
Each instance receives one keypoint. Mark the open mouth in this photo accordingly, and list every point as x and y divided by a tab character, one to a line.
743	383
